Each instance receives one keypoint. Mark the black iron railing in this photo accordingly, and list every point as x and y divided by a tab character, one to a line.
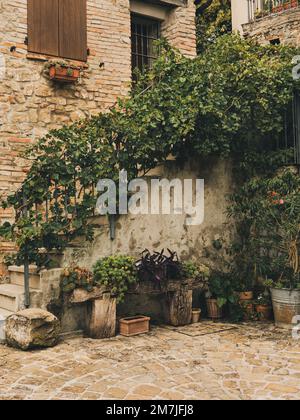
260	8
289	141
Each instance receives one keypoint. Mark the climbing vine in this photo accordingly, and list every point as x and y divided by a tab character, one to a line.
228	102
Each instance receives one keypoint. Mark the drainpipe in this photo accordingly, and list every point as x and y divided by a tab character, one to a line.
112	226
26	264
26	282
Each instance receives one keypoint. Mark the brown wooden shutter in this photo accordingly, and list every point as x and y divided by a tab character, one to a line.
43	32
73	29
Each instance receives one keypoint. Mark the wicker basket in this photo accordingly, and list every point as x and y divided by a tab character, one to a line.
134	325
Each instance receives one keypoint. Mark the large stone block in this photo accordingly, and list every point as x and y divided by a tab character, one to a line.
32	328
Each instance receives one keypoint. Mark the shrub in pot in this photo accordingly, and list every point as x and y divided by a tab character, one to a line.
76	278
116	273
220	293
244	286
263	306
269	212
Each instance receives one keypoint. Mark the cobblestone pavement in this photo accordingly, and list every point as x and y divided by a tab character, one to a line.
250	362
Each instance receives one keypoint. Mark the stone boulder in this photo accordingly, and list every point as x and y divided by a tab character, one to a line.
32	328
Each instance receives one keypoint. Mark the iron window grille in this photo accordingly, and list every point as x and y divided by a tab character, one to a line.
144	34
290	139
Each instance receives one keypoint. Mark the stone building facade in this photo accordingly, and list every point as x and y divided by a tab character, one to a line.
31	104
281	28
275	22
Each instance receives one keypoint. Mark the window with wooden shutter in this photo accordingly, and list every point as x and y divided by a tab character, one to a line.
58	28
72	29
43	23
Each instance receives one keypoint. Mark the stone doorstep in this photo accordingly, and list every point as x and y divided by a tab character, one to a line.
11	297
16	275
20	269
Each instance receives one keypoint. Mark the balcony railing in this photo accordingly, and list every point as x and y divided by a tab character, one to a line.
258	9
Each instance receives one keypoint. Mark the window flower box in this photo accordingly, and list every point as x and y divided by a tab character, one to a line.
63	73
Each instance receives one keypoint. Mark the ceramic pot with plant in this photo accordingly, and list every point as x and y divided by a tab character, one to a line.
220	293
248	309
245	289
263	306
245	296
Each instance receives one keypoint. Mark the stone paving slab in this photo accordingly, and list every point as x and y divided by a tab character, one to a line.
251	362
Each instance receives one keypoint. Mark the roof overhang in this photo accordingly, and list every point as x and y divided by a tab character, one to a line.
172	3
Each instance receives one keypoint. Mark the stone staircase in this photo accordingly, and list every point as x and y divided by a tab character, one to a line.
12	292
45	293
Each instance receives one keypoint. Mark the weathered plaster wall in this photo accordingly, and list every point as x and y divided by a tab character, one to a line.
134	233
285	26
155	232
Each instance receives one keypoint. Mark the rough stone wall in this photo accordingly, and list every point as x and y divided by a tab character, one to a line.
31	105
285	26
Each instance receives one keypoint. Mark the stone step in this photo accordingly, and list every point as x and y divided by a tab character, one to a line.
16	275
11	297
3	315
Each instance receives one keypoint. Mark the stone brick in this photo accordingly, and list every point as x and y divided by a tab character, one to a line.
31	105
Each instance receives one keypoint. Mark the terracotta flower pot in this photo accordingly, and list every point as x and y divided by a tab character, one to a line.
134	325
64	74
213	310
196	313
246	296
264	312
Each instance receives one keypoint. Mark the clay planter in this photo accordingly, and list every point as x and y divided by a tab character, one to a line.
286	306
196	313
64	74
134	325
213	310
245	296
264	312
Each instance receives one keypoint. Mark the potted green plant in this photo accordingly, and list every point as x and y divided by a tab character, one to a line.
76	278
263	306
115	273
220	292
244	285
279	241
